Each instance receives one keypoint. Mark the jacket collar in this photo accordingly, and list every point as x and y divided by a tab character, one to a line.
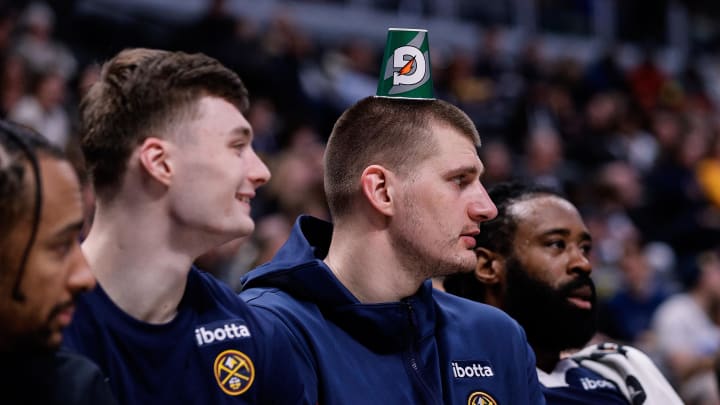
298	270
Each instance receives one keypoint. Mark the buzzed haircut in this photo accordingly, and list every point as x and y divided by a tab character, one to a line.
394	133
146	92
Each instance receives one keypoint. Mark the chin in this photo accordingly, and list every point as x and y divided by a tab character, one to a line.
245	230
54	341
467	262
238	229
460	265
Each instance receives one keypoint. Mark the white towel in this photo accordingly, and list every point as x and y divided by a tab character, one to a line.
631	370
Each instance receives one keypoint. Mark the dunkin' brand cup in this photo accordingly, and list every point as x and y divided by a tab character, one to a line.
405	70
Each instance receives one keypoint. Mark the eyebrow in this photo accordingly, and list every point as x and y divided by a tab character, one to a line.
73	227
469	169
244	132
585	236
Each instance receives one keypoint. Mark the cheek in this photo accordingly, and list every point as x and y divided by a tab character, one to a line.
544	268
44	278
23	318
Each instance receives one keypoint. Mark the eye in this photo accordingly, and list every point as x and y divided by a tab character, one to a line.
62	248
557	244
586	249
460	180
239	145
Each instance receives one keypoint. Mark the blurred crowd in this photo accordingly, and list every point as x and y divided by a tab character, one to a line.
636	148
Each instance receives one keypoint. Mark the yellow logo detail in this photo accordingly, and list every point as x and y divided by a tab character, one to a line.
481	398
234	372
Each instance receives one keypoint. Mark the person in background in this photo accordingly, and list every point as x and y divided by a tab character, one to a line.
402	182
686	326
174	171
627	314
42	272
43	110
534	263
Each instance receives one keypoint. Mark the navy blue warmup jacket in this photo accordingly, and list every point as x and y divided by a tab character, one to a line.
429	348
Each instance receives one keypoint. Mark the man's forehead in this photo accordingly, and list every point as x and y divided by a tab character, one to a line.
224	116
537	210
62	200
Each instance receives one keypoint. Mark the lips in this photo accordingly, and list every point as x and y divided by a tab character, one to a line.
468	238
468	241
244	198
581	297
65	315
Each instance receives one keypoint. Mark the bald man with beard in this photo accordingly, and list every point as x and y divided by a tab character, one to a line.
534	263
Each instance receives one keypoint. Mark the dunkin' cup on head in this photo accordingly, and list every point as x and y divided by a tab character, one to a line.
405	70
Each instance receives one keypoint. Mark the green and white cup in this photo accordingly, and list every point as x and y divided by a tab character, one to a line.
405	72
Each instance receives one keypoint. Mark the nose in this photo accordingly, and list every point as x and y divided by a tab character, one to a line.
482	208
258	173
80	278
579	262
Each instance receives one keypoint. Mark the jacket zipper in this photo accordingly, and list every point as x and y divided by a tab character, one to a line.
412	356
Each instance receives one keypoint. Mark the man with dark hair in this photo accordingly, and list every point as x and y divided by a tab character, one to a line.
534	263
403	186
171	158
42	271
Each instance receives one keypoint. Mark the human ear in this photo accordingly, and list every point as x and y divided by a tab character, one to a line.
154	158
376	183
490	266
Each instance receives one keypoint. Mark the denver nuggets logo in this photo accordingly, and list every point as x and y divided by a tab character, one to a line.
481	398
234	372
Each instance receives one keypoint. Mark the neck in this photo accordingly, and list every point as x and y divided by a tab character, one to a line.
135	259
366	265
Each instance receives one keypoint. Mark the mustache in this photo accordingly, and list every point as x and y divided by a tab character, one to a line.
59	308
582	280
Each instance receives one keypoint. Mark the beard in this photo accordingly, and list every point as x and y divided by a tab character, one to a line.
425	257
550	321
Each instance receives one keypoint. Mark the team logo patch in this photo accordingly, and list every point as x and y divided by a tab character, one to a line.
234	372
481	398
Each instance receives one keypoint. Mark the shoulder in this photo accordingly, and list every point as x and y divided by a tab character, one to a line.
207	294
77	366
466	312
92	316
479	327
206	283
80	381
278	307
631	370
274	299
290	322
677	308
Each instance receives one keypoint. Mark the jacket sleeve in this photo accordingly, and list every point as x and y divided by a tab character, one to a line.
535	395
289	376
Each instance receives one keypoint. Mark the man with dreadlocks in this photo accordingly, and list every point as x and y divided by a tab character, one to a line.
42	270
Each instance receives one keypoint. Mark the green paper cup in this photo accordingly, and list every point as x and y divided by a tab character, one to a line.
405	72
